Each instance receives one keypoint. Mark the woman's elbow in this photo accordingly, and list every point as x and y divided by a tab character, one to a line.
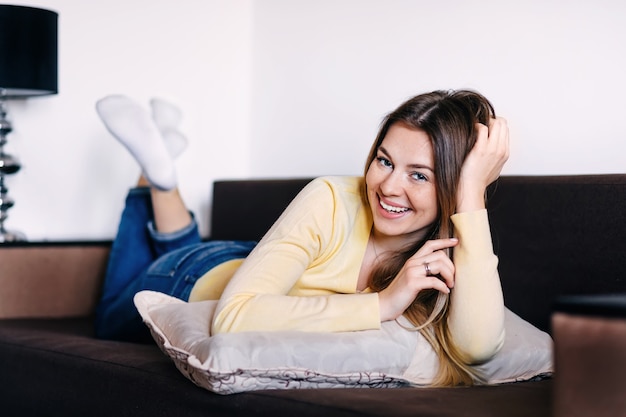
223	320
232	315
482	351
217	327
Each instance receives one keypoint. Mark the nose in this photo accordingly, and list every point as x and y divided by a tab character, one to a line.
392	184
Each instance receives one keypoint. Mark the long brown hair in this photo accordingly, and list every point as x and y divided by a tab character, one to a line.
449	118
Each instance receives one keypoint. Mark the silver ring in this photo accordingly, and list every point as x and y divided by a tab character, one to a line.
427	268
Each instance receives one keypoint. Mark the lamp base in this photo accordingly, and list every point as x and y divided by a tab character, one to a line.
8	166
7	236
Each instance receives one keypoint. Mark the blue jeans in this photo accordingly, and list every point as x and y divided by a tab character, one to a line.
141	258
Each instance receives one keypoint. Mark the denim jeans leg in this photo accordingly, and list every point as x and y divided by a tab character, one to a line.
131	251
135	247
162	243
174	273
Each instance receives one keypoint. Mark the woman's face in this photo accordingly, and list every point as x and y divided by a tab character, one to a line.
401	185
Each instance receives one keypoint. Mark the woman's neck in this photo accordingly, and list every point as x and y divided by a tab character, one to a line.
390	244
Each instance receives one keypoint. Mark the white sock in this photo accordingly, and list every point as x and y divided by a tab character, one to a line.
167	118
131	125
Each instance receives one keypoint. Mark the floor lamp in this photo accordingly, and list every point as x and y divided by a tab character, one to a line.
28	68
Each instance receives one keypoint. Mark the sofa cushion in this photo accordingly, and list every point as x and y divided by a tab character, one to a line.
389	357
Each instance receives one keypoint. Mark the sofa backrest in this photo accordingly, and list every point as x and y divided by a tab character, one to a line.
246	209
554	235
558	235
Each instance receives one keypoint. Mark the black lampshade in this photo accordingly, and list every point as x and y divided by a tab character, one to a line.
28	51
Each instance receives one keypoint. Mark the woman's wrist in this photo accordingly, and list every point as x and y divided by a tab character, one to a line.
470	199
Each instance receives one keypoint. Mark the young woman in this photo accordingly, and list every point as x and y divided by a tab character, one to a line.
409	237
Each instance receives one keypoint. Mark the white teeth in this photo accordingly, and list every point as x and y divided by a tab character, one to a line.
393	209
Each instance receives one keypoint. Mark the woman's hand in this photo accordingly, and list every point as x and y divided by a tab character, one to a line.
483	164
429	268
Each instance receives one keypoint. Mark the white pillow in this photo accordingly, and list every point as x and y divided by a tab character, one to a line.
389	357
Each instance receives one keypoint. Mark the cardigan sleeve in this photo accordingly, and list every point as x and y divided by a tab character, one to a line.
476	319
258	296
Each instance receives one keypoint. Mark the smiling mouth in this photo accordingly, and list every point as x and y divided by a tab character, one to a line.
393	209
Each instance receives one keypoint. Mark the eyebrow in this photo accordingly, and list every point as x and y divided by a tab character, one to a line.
414	166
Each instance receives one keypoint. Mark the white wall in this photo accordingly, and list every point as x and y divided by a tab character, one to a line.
193	52
298	88
327	71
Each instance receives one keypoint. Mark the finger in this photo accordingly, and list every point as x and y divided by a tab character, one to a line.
505	143
435	245
496	128
441	269
497	143
499	130
437	263
501	143
482	133
435	284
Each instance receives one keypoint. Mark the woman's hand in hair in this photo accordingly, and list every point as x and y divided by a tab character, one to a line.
429	268
483	164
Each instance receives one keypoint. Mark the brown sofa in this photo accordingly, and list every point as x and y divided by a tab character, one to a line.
554	235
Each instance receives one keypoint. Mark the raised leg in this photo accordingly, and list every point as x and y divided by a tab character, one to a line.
155	220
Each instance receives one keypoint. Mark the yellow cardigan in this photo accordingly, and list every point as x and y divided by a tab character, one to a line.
303	273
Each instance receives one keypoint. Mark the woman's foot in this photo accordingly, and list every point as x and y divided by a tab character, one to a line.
167	118
132	126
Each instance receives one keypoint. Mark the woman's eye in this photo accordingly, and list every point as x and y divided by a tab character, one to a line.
384	162
419	176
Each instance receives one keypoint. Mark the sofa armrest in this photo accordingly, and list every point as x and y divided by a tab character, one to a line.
51	279
589	345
